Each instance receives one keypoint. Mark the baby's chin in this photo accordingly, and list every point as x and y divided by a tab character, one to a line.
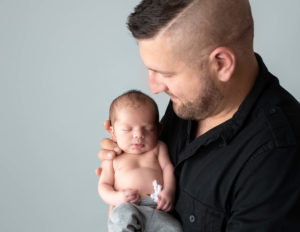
137	150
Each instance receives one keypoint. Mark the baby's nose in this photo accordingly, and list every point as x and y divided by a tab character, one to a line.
138	135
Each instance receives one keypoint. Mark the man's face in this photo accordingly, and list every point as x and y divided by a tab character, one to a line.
191	88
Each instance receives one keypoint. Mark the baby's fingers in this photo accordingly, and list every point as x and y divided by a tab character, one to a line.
167	207
164	205
160	204
131	195
135	199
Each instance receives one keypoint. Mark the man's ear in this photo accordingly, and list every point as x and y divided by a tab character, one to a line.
223	63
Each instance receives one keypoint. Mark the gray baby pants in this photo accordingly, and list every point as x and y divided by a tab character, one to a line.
128	217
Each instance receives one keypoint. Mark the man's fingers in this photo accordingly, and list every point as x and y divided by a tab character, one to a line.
98	171
108	144
106	154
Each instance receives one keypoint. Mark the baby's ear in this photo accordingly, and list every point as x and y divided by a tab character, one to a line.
112	133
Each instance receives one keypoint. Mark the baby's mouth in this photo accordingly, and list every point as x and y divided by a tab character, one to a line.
138	145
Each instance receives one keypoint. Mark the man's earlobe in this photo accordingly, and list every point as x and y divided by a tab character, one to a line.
224	62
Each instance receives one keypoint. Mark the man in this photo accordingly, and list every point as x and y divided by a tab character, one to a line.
232	131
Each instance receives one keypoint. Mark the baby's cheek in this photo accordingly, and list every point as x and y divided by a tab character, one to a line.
124	145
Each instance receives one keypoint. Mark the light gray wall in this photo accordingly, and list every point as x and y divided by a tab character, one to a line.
61	64
277	36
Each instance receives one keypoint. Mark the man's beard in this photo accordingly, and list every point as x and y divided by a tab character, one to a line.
205	105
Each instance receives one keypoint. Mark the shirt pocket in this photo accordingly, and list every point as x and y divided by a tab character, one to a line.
197	217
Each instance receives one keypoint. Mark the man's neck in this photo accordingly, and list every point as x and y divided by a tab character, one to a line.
234	94
207	124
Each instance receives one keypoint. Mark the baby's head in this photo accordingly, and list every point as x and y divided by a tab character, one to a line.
134	122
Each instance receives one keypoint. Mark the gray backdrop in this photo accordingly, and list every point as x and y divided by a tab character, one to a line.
61	64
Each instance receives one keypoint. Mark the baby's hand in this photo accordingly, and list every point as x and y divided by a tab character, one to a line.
165	201
130	195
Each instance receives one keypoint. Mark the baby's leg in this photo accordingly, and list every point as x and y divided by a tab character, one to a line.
164	222
125	218
157	220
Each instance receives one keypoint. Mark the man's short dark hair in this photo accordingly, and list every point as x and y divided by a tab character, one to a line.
152	15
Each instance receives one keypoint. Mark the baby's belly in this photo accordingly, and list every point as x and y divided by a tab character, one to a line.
138	178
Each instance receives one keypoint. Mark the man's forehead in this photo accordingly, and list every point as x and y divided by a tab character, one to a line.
158	55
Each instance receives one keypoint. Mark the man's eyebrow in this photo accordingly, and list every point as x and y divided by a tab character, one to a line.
160	71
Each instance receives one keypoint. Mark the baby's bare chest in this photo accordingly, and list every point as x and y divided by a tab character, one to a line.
135	161
137	172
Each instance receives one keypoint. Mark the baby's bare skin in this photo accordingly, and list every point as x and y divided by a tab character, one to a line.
129	176
138	171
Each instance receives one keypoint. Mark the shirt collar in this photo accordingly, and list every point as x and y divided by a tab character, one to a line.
227	130
232	126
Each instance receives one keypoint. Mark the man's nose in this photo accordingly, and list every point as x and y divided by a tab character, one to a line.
155	84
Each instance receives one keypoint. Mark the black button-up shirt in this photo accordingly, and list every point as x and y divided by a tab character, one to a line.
243	175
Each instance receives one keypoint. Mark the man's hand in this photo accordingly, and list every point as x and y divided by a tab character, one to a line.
109	149
165	201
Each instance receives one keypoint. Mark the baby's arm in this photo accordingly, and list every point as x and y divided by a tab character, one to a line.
106	187
166	197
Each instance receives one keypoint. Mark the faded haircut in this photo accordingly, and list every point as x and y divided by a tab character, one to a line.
212	22
152	15
132	98
195	27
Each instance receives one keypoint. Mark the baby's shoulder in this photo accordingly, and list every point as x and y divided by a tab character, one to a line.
122	157
158	145
159	148
117	161
161	145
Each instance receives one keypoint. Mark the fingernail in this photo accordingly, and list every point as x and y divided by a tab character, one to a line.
109	155
116	149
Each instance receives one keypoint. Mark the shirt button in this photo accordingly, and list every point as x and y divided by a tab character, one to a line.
272	111
192	218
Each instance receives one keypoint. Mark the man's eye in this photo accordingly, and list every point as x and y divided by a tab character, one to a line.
167	75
